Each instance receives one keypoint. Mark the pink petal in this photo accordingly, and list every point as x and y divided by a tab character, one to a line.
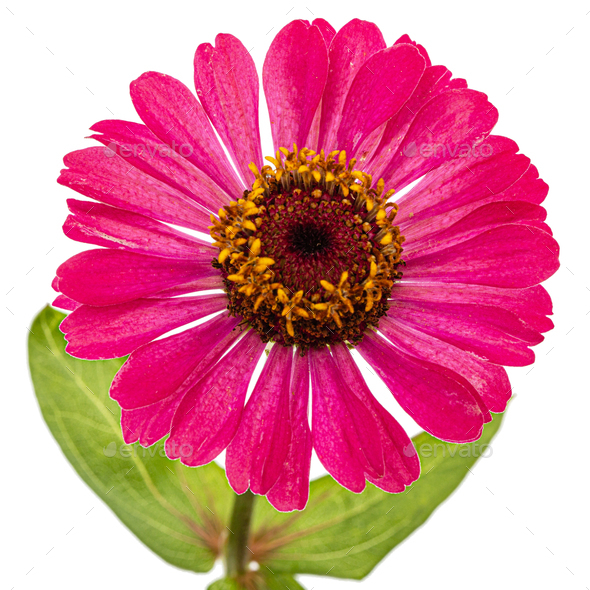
293	77
326	29
256	455
420	48
402	466
433	395
66	303
150	423
210	413
511	256
116	330
352	46
451	120
490	381
378	91
492	333
172	112
138	146
204	284
434	81
530	305
160	369
345	434
106	277
115	228
100	174
481	176
437	233
227	86
291	491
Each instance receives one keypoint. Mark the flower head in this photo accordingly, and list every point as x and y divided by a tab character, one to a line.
306	254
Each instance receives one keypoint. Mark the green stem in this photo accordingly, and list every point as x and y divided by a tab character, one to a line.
237	554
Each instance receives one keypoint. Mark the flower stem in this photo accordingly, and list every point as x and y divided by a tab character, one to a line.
236	556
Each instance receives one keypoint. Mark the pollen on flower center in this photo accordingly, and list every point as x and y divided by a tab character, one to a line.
309	255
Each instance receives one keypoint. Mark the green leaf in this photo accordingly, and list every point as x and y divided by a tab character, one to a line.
258	581
346	535
178	512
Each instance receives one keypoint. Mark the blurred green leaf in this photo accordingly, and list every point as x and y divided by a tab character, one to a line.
258	581
178	512
345	535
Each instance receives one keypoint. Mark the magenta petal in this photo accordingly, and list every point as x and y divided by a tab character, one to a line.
227	86
172	112
511	256
481	176
434	396
451	120
98	224
402	465
293	76
436	233
434	81
66	303
352	46
492	333
106	277
420	48
100	174
210	413
116	330
291	491
530	305
157	370
139	147
345	434
326	29
150	423
489	380
379	90
256	455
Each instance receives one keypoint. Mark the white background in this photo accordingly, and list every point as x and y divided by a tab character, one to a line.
522	519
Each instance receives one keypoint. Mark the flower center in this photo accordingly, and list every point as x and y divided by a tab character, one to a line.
310	254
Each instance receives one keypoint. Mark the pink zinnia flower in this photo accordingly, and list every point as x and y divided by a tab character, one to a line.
307	254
